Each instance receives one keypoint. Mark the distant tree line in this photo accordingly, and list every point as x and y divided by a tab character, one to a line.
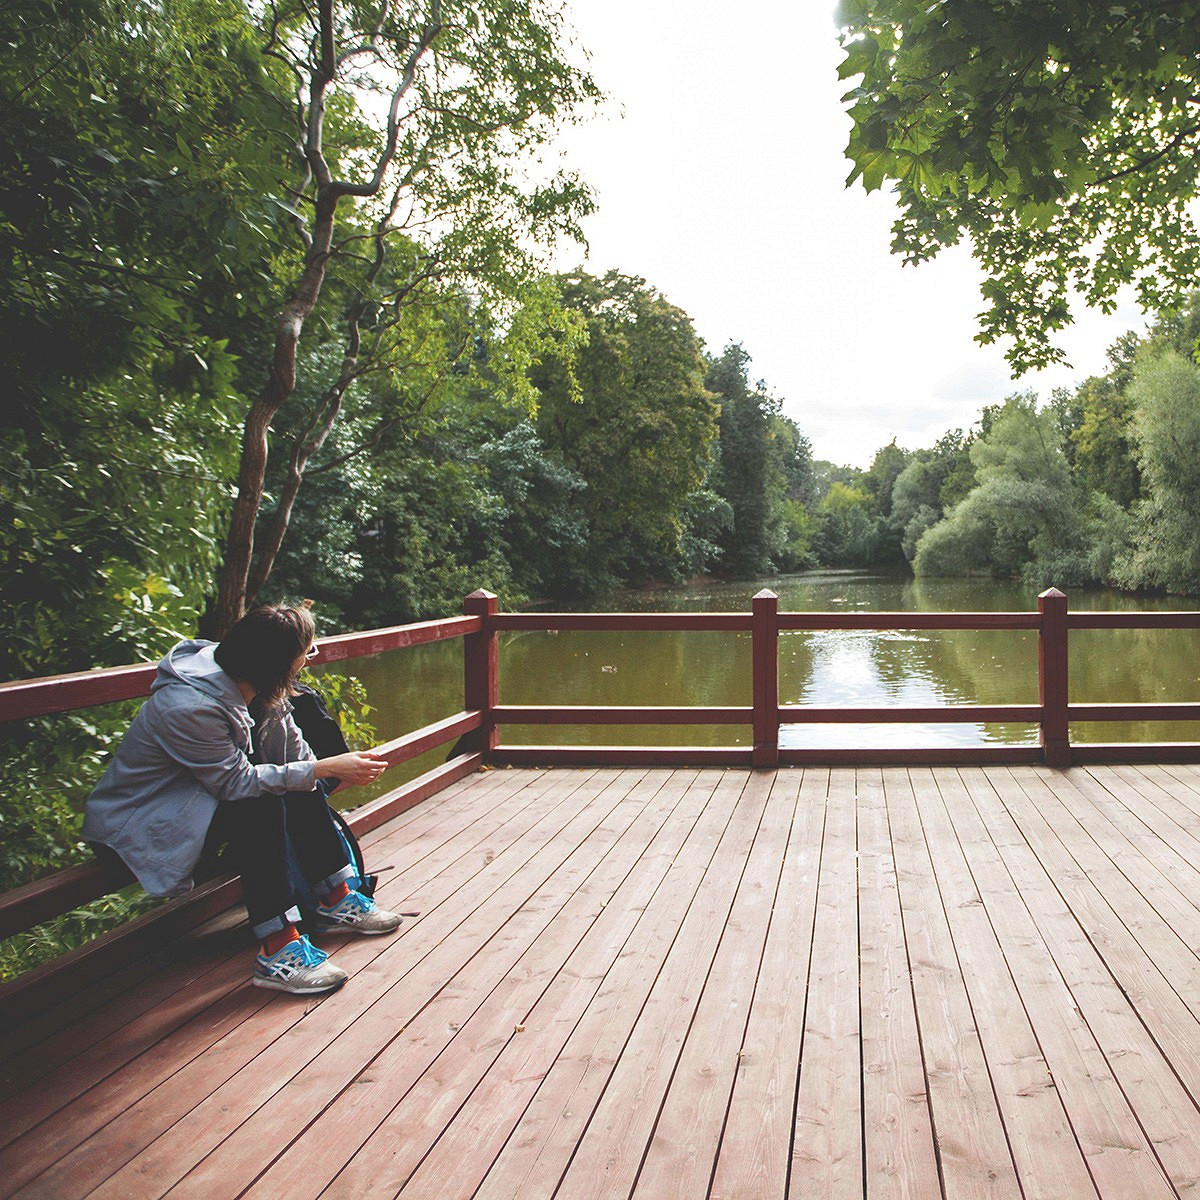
1099	486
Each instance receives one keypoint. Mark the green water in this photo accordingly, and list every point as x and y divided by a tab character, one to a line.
410	688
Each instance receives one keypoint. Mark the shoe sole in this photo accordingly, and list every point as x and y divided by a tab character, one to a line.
277	986
320	929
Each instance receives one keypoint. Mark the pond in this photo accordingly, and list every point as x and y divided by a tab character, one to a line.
411	688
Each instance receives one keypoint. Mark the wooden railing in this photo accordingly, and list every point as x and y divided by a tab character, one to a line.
476	729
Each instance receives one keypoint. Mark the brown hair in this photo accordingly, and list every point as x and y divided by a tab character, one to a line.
262	649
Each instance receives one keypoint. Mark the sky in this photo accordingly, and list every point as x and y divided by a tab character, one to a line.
719	171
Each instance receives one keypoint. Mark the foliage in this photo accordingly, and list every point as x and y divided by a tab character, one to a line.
1022	509
761	471
32	947
120	335
426	185
1165	428
346	699
639	432
931	482
1060	140
1104	460
849	532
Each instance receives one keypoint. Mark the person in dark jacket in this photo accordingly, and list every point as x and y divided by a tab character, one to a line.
214	756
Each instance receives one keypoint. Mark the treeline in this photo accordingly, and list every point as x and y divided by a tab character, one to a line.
1099	486
637	458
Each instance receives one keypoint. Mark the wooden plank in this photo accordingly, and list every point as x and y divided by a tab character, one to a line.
1168	807
1097	1050
1135	869
1147	844
914	755
522	1015
1135	752
1168	781
681	1158
34	991
397	637
545	1136
428	737
706	622
1043	1146
1134	620
624	756
900	1160
972	1146
156	1091
755	1151
579	714
948	714
827	1147
42	1046
418	1081
109	1022
479	1130
610	1152
22	699
909	620
307	1061
42	899
1155	972
409	795
1133	712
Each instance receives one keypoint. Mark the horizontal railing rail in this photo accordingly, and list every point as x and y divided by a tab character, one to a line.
26	698
476	729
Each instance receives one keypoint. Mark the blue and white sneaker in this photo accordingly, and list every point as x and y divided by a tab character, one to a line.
356	913
300	968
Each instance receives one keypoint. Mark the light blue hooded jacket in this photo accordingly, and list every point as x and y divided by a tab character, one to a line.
187	751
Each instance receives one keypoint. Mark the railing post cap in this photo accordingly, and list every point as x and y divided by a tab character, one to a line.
482	594
1052	594
765	594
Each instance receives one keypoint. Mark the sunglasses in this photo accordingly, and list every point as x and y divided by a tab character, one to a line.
312	651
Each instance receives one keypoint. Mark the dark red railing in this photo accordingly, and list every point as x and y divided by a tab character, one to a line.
476	728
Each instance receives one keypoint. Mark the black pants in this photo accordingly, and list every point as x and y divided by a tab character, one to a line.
257	832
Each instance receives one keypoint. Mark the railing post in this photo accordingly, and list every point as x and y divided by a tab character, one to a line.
764	641
1052	679
481	662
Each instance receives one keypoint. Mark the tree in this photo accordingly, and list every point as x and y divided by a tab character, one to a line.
137	152
415	124
638	430
881	476
1060	139
1165	429
1104	459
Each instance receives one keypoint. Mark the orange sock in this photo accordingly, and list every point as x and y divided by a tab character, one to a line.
274	942
340	892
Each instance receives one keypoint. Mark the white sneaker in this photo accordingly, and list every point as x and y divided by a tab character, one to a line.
357	913
300	968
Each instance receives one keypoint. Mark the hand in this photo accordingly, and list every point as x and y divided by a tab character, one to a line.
358	766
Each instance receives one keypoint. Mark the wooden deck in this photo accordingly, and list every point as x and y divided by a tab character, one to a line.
679	983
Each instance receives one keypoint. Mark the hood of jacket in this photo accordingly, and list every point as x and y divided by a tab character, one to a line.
191	664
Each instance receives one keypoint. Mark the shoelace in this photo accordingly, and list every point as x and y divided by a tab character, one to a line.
305	955
352	904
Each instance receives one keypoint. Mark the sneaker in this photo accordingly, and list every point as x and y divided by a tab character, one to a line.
357	913
300	968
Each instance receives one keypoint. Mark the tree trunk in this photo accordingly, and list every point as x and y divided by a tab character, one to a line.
230	603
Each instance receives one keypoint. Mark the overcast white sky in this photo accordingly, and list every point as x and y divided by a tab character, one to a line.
719	171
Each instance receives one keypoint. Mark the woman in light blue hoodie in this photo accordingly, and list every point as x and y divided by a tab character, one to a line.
214	756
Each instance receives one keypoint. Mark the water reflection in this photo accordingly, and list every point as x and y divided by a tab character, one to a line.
411	688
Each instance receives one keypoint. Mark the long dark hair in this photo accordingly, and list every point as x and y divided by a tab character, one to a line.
263	647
